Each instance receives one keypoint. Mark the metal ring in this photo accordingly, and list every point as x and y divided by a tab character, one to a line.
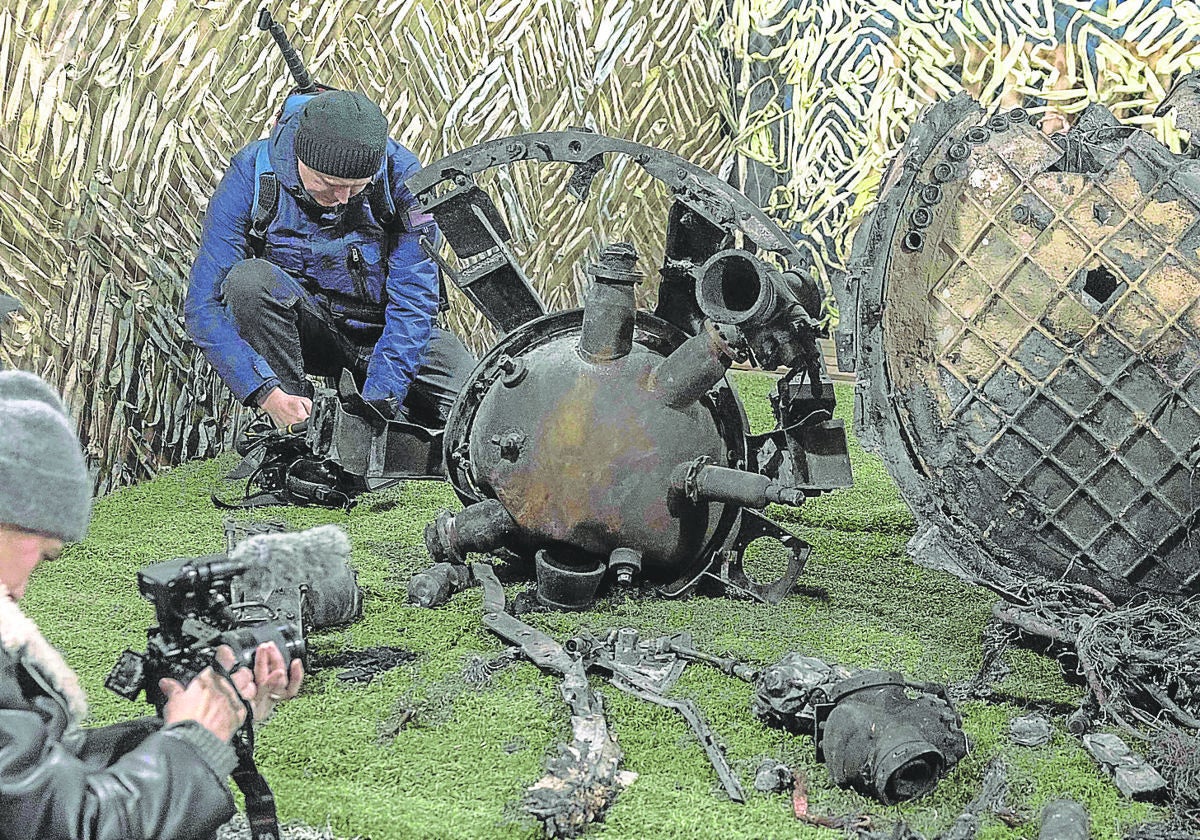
914	240
978	134
931	194
943	172
958	151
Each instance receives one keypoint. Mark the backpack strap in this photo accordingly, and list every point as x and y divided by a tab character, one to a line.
266	198
382	206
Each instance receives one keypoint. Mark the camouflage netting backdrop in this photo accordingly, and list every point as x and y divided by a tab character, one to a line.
117	119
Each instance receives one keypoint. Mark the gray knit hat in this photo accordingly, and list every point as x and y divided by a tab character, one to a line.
44	484
342	133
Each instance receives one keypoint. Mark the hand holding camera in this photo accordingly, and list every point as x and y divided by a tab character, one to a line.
216	702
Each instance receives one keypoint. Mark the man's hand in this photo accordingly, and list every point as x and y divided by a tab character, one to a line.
210	699
273	684
284	408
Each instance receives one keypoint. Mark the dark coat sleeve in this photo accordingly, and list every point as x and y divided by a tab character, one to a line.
159	788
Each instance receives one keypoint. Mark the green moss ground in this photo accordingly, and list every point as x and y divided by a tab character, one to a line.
459	767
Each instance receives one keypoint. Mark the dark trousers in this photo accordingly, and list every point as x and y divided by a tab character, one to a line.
298	334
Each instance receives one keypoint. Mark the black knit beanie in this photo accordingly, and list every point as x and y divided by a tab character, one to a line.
342	133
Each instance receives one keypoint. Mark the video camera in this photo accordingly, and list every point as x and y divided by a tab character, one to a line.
196	614
269	588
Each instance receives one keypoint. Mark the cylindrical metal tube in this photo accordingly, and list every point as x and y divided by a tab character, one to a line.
736	288
695	366
437	585
608	313
737	487
609	310
482	527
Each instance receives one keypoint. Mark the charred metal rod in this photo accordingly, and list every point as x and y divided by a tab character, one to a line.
726	665
695	719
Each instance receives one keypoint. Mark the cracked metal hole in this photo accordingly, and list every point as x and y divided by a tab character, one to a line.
1100	285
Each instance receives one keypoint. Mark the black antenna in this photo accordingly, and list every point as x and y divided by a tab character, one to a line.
304	82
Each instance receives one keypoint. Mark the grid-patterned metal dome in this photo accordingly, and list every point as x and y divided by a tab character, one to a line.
1029	348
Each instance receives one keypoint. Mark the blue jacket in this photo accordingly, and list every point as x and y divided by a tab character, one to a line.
396	274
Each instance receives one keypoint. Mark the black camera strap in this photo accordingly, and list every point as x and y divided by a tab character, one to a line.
260	801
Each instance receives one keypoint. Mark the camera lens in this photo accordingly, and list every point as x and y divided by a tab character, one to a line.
245	641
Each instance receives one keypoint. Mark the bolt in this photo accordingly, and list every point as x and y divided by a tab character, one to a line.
978	134
931	194
958	151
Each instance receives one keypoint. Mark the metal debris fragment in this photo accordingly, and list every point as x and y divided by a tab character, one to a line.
1030	730
773	777
1064	819
362	666
438	584
867	728
582	781
1133	776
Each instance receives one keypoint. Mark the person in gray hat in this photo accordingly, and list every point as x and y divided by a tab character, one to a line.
311	262
149	778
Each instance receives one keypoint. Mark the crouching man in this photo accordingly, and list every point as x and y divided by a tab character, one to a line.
311	262
149	778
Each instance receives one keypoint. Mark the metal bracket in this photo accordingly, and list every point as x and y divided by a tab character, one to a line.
732	574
